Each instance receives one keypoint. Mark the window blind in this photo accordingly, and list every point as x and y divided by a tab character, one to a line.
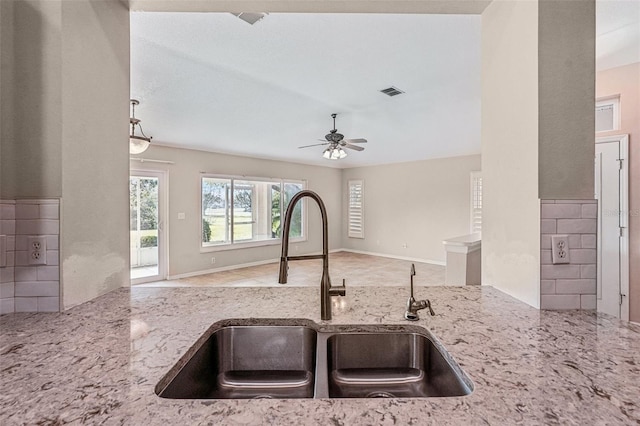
476	202
356	209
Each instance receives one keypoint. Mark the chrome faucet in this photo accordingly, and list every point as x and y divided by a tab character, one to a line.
414	306
326	291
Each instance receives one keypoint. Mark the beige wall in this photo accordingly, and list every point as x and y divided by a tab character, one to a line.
65	91
184	196
313	6
31	99
418	204
511	211
566	84
95	110
625	81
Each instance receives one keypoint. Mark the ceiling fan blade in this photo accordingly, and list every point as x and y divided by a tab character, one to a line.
354	147
315	144
359	140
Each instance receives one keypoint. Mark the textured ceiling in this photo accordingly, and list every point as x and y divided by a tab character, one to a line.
213	82
618	30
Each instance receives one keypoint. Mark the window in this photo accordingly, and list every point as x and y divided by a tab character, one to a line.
476	202
241	211
356	209
608	114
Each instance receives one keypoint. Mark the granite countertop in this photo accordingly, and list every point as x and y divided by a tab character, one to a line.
99	362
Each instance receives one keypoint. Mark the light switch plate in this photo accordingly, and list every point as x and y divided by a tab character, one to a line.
560	249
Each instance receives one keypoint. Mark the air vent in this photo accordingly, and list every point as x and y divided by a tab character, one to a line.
250	17
392	91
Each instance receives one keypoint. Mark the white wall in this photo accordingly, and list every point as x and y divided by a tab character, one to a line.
418	204
511	212
184	196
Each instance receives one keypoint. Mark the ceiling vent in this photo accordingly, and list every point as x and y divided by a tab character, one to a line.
250	17
392	91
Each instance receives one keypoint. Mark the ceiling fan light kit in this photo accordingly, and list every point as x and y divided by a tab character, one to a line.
334	153
336	142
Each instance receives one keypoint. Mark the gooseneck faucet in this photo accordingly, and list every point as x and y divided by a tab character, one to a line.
414	306
326	291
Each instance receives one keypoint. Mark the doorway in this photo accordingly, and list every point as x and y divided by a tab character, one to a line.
611	191
146	226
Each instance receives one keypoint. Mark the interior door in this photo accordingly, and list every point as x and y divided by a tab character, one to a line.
147	236
610	187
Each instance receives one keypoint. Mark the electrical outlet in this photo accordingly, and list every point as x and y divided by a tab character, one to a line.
37	250
404	245
213	260
560	249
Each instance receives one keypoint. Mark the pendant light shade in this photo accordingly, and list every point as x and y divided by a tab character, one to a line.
137	144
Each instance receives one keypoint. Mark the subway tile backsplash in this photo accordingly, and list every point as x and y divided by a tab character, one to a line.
25	287
572	285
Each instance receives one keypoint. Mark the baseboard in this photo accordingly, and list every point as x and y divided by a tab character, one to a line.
266	262
221	269
232	267
391	256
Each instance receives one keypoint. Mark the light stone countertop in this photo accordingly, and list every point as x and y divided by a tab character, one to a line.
99	362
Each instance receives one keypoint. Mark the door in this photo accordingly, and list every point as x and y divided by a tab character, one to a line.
611	177
147	236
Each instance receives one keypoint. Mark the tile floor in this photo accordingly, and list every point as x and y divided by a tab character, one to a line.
359	270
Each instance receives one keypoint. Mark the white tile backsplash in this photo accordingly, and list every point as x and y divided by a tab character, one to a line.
28	288
48	304
48	273
576	226
28	211
37	288
572	285
26	304
26	273
7	306
7	290
49	211
37	227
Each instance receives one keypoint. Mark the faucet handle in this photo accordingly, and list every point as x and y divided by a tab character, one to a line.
339	290
428	306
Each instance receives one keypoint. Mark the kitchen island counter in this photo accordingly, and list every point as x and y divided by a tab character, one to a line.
98	363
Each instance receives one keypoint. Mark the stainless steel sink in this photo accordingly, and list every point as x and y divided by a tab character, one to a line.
249	362
300	359
369	365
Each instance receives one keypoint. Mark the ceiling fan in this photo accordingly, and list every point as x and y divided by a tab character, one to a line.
336	142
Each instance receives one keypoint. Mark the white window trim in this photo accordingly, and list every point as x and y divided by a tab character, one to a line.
249	244
352	233
614	101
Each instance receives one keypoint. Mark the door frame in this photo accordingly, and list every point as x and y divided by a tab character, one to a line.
163	223
623	147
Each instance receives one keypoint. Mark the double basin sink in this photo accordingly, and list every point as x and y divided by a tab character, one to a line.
301	359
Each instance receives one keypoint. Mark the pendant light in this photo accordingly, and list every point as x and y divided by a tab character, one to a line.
137	144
